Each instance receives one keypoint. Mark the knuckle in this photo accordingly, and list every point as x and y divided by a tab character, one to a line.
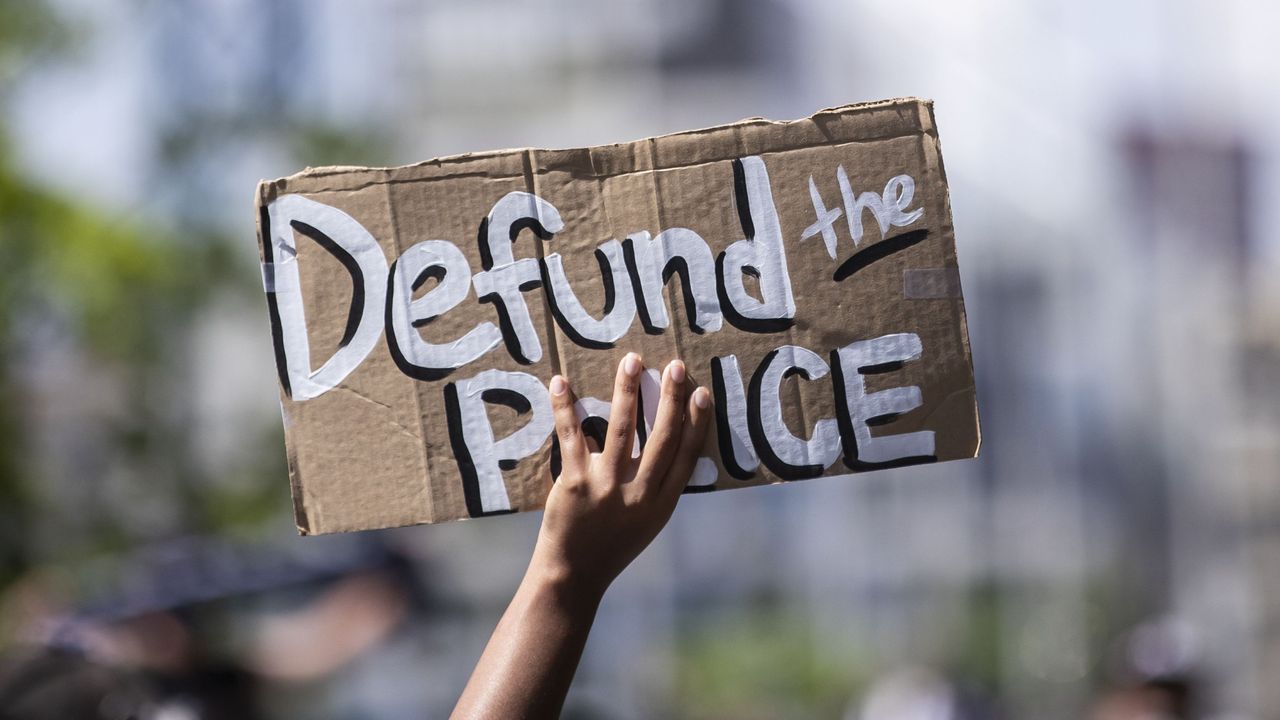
604	492
577	486
623	432
567	433
626	388
562	404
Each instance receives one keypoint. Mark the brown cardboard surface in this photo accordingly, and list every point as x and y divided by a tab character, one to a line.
380	434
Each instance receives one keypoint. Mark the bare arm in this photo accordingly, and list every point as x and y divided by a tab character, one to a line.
601	513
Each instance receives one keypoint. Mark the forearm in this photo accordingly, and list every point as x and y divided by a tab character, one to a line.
526	668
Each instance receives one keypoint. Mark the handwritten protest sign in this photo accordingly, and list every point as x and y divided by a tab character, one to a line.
805	271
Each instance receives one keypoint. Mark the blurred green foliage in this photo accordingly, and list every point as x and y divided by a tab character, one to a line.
121	294
106	286
29	29
119	284
763	663
320	144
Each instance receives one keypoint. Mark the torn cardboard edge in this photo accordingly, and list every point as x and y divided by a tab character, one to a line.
430	169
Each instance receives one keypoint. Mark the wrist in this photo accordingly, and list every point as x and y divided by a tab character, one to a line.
571	588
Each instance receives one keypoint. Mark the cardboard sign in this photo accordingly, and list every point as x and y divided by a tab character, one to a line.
805	272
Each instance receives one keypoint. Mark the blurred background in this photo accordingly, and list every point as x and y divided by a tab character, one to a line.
1114	553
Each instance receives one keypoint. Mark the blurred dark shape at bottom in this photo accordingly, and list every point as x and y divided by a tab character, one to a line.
1156	675
1166	698
141	648
39	683
57	684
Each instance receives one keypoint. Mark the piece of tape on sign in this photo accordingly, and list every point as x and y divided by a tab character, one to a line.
269	277
931	283
418	313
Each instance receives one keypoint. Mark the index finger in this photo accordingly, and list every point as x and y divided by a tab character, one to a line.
622	414
573	447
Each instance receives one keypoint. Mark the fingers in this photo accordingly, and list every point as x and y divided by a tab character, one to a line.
692	436
573	446
663	442
622	414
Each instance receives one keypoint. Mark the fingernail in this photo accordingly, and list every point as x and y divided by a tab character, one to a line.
676	370
558	385
631	364
702	398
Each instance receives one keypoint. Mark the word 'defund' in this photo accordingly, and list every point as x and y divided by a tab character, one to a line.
805	271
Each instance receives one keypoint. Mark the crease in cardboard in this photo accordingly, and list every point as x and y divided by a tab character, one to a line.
676	327
390	419
301	518
297	492
938	405
549	322
424	450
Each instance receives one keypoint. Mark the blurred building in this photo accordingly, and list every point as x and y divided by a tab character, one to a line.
1111	168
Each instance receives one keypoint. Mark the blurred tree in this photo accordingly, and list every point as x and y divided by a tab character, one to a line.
121	292
29	29
111	289
26	29
122	295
